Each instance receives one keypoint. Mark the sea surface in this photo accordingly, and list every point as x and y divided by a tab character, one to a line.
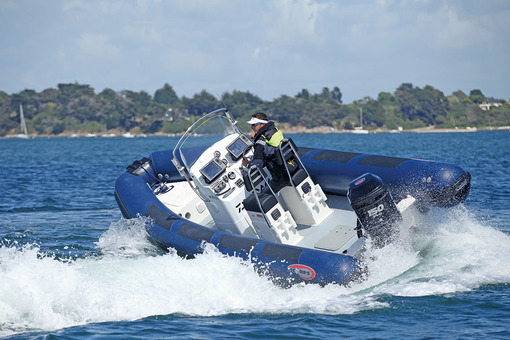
72	268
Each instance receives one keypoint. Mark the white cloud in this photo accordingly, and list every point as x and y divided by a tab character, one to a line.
293	21
76	5
447	30
144	32
113	7
6	5
98	46
256	53
269	47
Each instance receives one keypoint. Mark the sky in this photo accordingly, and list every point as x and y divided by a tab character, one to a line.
267	47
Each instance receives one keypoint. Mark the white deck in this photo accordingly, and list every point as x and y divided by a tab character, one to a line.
335	234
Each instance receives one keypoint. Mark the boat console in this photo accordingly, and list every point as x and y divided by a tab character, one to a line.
217	177
241	202
240	205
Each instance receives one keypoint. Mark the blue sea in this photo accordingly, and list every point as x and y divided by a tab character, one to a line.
72	268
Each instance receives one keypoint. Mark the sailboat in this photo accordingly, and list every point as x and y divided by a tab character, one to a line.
359	129
23	124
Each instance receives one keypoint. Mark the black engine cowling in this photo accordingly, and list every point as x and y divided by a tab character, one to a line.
375	208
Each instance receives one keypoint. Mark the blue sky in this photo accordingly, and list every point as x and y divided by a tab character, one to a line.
266	47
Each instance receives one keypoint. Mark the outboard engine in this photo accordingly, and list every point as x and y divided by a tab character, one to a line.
375	208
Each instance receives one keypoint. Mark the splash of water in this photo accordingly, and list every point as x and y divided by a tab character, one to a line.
456	253
132	279
127	238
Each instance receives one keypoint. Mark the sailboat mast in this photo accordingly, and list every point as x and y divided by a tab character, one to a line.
361	117
22	121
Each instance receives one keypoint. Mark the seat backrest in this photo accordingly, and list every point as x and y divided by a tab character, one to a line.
287	156
255	176
287	146
267	202
299	177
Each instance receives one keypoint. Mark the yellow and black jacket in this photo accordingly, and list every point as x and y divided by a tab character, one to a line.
266	142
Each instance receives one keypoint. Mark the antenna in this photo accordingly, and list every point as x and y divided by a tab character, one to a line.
222	103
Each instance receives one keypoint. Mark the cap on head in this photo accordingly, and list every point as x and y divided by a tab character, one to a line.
258	118
254	121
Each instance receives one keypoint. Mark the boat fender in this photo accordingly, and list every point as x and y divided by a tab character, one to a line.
138	167
143	169
375	208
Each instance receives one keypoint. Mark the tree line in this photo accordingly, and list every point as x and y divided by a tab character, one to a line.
76	108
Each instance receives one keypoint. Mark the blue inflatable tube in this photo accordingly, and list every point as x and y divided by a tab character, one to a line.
169	230
434	183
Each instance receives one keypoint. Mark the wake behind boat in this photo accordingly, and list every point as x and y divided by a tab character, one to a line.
313	230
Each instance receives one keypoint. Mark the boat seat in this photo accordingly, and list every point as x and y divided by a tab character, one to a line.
286	156
270	220
298	177
267	201
256	178
305	199
273	223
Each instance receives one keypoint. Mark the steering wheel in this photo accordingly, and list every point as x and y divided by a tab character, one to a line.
248	148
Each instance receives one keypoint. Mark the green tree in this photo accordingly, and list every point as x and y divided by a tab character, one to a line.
69	92
460	94
421	105
141	99
304	94
75	107
325	94
285	109
166	95
385	98
373	113
477	97
201	103
336	94
243	104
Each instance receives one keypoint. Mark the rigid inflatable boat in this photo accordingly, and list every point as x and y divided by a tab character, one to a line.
312	230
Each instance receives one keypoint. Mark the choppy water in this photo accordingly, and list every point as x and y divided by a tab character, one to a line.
72	268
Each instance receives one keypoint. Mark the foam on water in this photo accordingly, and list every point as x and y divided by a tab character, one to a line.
131	279
456	253
126	238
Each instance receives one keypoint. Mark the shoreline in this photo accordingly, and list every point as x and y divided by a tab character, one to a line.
284	129
428	129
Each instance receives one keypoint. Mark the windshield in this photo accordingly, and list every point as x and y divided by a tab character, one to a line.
205	132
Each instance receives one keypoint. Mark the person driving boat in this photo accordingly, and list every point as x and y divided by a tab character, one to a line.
266	138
